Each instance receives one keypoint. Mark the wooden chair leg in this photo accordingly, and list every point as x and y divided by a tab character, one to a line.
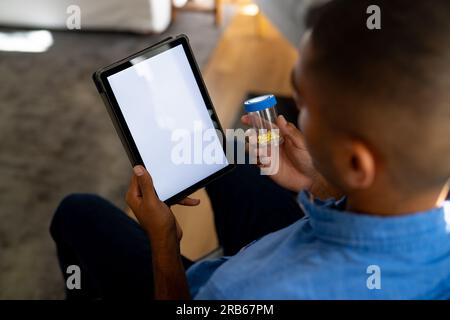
174	13
218	12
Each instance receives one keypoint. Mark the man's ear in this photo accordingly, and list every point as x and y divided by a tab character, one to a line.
357	165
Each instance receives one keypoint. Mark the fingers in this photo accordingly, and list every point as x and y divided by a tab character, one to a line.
245	119
260	155
133	195
145	184
189	202
250	137
290	131
133	189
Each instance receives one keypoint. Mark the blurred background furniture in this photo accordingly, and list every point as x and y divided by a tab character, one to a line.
288	15
212	6
142	16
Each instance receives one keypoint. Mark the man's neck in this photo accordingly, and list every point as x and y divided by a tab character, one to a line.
391	203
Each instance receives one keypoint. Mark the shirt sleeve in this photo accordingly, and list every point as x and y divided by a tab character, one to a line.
200	273
209	292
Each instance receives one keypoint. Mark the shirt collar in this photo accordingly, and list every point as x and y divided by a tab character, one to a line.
331	222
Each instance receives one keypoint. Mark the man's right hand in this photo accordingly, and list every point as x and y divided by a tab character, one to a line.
295	168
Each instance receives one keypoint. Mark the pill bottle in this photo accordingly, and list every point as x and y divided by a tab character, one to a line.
263	114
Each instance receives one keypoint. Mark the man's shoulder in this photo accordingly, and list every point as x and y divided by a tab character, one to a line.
295	264
290	263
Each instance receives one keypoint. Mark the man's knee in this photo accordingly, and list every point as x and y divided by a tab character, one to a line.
236	180
73	210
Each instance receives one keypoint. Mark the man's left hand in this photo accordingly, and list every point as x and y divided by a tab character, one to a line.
153	215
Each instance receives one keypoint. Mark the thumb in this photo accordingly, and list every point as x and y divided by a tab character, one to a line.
288	129
145	183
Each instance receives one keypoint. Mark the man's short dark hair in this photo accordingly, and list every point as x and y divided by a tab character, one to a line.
390	86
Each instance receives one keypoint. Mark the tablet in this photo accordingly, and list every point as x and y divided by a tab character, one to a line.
164	117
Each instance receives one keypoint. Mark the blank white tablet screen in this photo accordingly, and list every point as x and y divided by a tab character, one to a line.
170	124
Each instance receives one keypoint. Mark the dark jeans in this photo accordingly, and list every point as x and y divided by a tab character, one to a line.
113	252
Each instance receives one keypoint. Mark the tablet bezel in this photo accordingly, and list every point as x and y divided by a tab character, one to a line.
105	90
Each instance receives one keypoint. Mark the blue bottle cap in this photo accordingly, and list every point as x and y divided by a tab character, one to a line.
260	103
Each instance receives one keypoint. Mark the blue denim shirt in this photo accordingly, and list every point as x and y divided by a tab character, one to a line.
333	254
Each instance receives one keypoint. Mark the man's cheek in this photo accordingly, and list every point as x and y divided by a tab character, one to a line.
321	159
317	145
